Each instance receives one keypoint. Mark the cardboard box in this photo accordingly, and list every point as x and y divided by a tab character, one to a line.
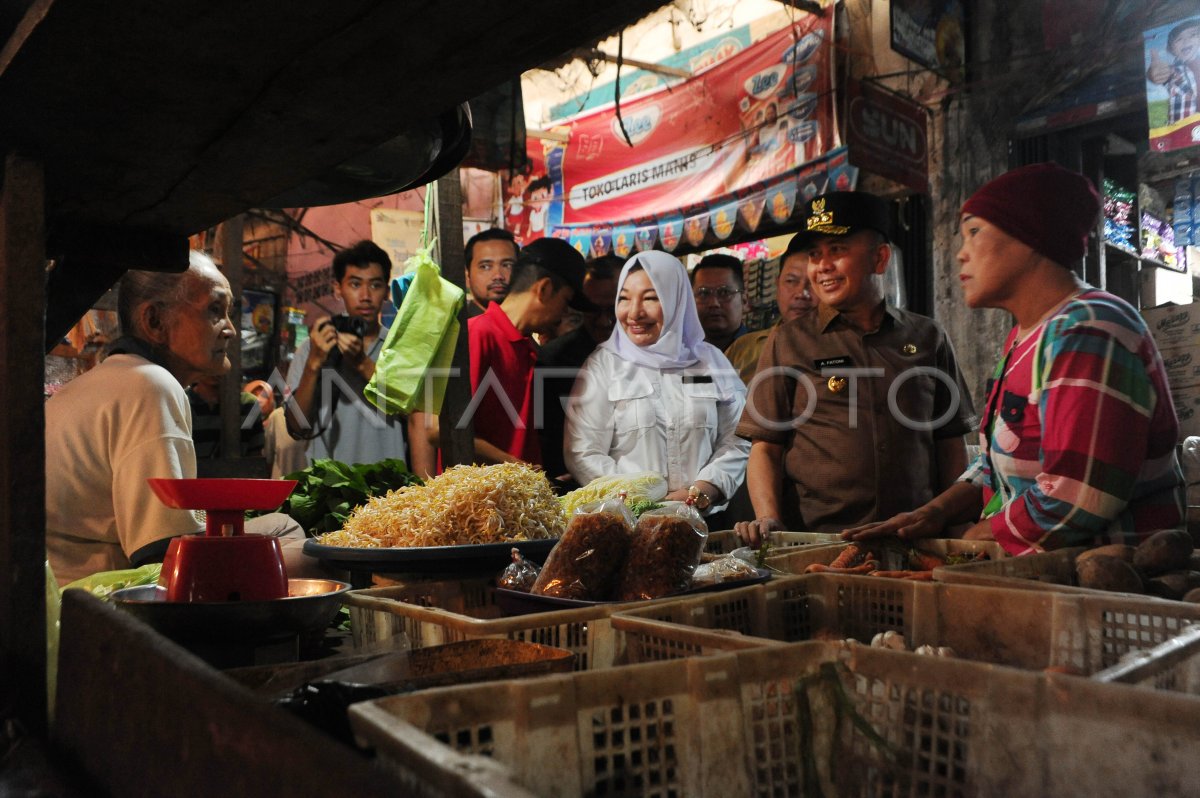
1174	325
1187	409
1182	365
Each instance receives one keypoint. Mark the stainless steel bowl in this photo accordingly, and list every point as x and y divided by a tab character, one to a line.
311	605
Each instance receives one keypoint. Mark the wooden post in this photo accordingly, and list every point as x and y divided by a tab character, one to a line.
457	441
22	442
231	386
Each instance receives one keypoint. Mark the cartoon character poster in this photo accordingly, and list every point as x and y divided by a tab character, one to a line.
529	194
1172	63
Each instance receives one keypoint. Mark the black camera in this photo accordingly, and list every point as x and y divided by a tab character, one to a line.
345	323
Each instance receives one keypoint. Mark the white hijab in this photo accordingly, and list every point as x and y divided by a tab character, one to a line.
681	343
682	336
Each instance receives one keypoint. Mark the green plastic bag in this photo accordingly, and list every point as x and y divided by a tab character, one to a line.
412	368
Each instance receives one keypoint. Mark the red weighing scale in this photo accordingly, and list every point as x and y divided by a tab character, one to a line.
225	563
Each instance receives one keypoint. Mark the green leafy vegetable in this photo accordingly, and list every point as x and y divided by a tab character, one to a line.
764	551
328	490
641	506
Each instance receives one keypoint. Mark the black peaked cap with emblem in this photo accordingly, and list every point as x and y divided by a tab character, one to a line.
840	213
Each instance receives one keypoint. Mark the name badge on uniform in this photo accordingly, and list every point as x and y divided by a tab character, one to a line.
836	384
839	362
693	379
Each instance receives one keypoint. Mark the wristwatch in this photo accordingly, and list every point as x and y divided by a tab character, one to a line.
700	499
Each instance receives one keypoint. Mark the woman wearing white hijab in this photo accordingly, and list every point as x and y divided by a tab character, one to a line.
655	396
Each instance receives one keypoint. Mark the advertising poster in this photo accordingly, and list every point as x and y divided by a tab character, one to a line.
688	164
398	233
931	32
1172	61
258	327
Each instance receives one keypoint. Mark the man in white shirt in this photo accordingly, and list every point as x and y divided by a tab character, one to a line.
128	419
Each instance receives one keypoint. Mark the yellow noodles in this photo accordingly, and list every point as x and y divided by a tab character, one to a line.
465	504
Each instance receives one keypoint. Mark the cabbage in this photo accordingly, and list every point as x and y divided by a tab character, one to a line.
644	487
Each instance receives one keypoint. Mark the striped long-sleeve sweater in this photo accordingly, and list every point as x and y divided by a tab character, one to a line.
1079	432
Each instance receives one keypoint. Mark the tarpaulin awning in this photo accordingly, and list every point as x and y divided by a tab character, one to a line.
1115	89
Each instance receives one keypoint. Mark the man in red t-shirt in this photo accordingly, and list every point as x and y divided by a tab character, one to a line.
546	280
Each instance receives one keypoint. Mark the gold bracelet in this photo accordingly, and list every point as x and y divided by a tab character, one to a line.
700	499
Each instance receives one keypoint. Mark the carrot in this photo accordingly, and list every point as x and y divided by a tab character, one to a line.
895	574
821	568
921	561
866	568
920	576
849	556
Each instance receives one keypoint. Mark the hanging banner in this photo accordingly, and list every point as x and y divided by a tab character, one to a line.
756	115
622	240
747	120
601	241
581	239
645	237
670	230
735	147
1172	65
781	200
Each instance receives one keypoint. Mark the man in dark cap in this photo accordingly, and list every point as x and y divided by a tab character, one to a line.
858	410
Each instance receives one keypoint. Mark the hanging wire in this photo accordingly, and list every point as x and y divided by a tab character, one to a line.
617	84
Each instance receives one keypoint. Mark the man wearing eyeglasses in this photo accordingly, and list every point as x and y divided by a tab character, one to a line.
719	290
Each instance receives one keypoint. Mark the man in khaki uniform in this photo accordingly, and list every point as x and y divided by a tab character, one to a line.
858	409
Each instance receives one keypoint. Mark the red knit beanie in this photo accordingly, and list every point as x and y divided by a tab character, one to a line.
1049	208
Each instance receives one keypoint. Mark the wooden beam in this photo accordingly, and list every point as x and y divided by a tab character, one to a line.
231	386
596	54
457	441
548	135
140	715
22	444
88	261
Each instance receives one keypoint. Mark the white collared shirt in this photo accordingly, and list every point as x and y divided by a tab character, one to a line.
625	418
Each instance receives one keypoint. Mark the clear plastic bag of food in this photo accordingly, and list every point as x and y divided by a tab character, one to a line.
520	574
722	569
666	548
585	563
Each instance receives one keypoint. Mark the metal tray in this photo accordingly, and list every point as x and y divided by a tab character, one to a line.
516	602
476	557
311	605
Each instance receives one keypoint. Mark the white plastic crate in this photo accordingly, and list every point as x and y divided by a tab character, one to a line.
892	554
767	722
1019	628
1050	570
1171	665
446	612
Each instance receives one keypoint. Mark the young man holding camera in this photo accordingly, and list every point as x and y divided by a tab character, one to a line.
331	368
